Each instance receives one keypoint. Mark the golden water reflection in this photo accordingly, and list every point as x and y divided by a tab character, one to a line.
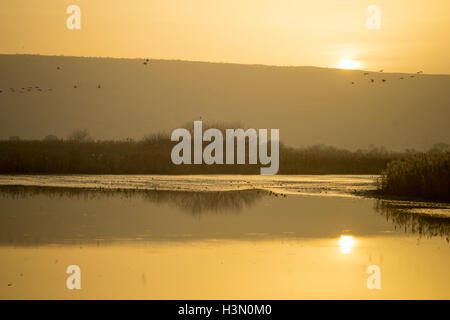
229	245
346	243
227	269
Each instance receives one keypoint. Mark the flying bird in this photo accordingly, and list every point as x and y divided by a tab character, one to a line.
371	80
381	70
384	80
75	87
99	86
353	82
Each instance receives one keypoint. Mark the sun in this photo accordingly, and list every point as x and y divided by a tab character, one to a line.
349	64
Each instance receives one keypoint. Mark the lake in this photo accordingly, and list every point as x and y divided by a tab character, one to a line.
218	237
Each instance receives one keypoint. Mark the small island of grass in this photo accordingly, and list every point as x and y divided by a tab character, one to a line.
423	176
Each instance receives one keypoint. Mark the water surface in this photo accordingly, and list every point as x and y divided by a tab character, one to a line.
217	237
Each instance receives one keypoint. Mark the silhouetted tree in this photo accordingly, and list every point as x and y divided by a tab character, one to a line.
440	147
50	137
80	136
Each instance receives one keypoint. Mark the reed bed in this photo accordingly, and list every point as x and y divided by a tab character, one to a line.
423	175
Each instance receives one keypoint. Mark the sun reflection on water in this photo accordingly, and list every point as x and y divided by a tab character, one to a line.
346	243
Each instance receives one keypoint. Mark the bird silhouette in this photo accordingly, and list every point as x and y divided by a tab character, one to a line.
384	80
99	86
352	82
57	68
371	80
401	78
75	87
419	72
381	70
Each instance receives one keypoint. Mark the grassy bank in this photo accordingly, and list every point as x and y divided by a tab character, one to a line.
425	176
152	156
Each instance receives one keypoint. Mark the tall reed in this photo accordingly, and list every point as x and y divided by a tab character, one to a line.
423	175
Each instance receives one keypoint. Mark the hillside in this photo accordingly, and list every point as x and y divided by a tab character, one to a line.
308	104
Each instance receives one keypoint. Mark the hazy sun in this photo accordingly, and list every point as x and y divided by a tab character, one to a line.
348	64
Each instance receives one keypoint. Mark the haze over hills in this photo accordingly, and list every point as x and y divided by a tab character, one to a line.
309	105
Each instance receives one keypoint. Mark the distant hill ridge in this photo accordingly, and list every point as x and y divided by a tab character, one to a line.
120	98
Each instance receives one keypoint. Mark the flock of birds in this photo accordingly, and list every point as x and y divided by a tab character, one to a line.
384	80
28	89
146	62
258	188
283	195
39	89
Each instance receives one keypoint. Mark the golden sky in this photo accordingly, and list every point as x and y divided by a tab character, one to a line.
413	34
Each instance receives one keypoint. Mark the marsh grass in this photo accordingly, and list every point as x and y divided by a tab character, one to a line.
423	175
151	155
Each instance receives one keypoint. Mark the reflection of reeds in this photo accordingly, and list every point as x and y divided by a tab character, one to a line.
200	202
191	202
424	176
424	224
31	226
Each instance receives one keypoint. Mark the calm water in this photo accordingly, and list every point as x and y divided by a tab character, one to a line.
230	237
